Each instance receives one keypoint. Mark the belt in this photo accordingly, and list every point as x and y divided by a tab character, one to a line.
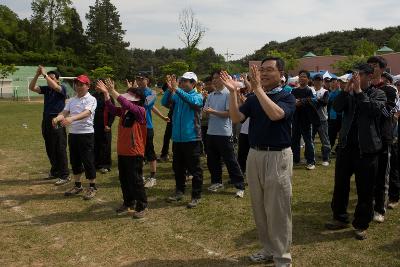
268	148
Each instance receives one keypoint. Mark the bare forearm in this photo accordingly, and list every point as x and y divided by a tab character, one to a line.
53	85
114	94
222	114
273	111
32	84
157	112
81	115
234	112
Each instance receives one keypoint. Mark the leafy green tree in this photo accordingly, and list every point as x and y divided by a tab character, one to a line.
50	13
349	63
176	67
394	42
364	47
8	22
102	72
327	52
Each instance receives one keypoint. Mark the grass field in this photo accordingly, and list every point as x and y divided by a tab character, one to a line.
39	227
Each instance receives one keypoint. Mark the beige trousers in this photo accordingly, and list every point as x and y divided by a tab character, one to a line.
269	175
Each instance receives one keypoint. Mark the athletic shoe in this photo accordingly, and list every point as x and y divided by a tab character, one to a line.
139	214
178	196
239	194
310	167
73	191
325	163
150	182
392	204
90	193
122	210
50	177
215	187
360	234
259	257
379	218
336	225
163	158
193	204
62	181
104	170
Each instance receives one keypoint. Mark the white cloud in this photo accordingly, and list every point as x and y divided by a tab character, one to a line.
237	25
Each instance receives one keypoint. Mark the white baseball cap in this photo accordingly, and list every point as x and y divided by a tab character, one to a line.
190	76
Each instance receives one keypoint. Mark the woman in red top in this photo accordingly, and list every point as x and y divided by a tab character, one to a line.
130	145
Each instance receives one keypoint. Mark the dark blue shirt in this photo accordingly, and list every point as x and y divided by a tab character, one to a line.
263	131
54	102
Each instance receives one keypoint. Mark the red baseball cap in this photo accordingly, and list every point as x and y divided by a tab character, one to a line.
83	79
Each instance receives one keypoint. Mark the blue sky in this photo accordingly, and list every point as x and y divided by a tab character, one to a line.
237	25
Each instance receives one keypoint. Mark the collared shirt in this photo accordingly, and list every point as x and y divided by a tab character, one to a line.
151	97
262	130
54	102
219	101
78	105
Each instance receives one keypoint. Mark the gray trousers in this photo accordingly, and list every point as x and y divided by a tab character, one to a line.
324	137
269	175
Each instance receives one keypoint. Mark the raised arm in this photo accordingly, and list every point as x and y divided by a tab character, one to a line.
234	113
32	85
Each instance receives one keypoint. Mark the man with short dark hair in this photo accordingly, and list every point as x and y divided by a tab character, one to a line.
219	138
55	138
358	150
270	160
302	123
379	64
321	102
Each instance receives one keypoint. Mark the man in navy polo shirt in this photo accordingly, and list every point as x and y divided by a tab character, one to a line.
55	138
270	160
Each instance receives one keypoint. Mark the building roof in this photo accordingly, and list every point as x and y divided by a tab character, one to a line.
309	54
385	49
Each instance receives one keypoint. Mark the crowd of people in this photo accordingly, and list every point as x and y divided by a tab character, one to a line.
267	116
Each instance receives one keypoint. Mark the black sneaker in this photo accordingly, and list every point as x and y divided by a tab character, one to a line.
360	234
178	196
336	225
73	191
193	203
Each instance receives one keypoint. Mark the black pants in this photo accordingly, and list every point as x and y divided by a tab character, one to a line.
187	157
56	147
394	178
167	138
81	152
364	167
102	148
150	154
130	169
243	151
382	180
204	130
222	147
333	130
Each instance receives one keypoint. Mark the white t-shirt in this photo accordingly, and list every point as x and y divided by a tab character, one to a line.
245	127
77	105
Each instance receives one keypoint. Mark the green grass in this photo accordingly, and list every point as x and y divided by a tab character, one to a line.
39	227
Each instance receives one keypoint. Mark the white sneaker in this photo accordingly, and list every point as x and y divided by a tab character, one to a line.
325	163
62	181
150	182
239	194
260	257
378	217
215	187
310	167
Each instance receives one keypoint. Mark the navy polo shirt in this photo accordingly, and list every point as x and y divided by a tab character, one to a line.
262	130
54	102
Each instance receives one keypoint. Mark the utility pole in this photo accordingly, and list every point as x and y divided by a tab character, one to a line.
228	57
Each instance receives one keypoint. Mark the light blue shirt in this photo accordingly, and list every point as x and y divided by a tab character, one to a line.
219	101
